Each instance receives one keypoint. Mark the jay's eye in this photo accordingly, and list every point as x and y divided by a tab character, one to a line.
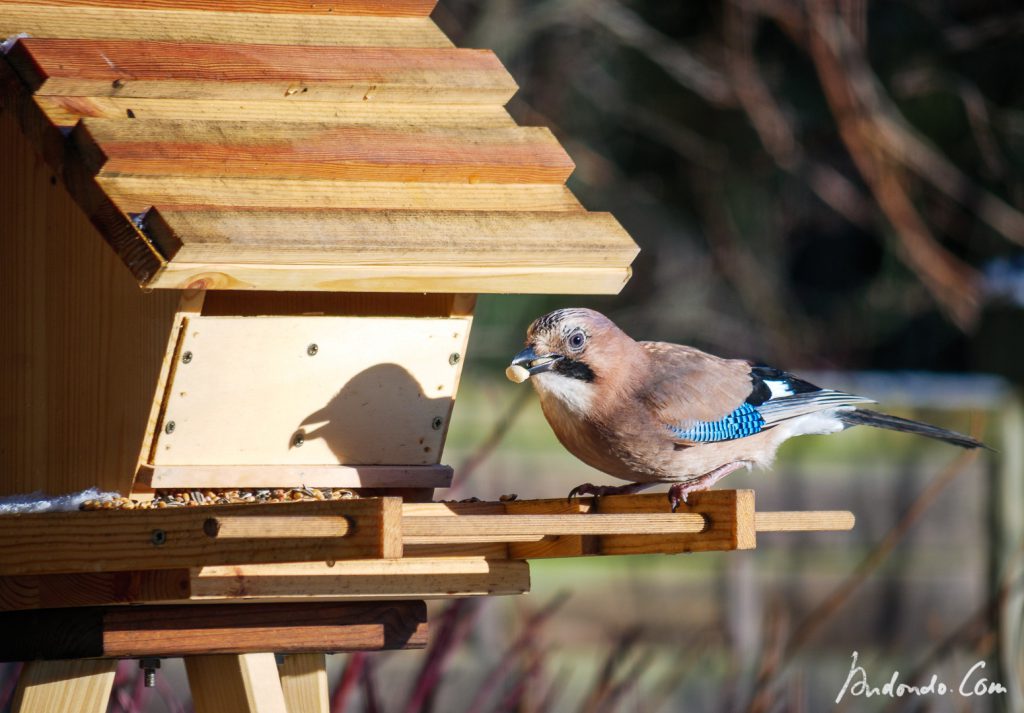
576	340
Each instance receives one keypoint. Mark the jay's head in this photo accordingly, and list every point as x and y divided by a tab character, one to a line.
572	352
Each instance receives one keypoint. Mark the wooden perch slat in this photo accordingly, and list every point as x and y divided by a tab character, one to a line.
799	521
233	477
114	540
135	194
398	278
434	530
184	25
169	631
344	580
181	70
321	150
66	111
412	238
387	8
418	578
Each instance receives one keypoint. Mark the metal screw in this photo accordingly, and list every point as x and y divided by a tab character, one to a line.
312	349
169	428
158	537
186	358
437	423
298	439
454	358
149	667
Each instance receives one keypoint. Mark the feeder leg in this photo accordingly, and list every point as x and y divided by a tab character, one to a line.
229	683
79	686
304	680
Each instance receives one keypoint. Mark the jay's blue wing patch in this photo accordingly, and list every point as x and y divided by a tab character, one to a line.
744	421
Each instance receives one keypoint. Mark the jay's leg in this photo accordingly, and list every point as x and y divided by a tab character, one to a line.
680	491
599	490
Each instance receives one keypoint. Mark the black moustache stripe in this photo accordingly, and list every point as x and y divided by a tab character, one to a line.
574	370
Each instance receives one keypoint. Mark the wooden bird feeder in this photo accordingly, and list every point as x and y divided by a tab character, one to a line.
310	195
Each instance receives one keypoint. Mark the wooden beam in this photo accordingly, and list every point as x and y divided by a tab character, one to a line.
386	8
408	238
81	686
503	528
246	149
135	194
168	631
202	70
304	681
65	111
247	683
802	521
344	580
401	278
185	25
234	477
114	540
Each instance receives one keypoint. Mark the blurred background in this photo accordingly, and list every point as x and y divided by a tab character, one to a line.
832	188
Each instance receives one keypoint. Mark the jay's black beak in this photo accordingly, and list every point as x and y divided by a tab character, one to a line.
534	364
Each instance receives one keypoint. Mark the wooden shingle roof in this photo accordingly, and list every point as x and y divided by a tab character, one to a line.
299	145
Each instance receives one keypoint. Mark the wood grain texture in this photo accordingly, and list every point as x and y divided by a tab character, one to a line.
412	578
117	540
304	682
65	111
497	528
194	70
313	150
135	194
387	8
183	25
343	580
369	395
402	278
729	515
802	521
246	683
57	591
85	343
231	477
408	238
81	686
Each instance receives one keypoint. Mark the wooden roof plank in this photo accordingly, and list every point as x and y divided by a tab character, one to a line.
135	194
184	25
181	70
322	150
364	237
66	111
387	8
387	278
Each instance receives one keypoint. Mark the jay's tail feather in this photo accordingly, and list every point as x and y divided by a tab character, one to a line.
864	417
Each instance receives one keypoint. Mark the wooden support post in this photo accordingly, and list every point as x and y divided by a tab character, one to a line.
80	686
248	683
304	682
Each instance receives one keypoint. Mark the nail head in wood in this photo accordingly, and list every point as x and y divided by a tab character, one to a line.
312	349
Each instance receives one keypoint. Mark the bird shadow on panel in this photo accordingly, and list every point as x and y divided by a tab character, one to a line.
381	416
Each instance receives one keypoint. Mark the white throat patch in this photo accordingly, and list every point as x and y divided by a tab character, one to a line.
574	394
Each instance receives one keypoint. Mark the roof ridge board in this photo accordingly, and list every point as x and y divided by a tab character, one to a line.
379	8
72	67
182	25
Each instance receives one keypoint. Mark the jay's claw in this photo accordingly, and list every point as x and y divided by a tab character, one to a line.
599	490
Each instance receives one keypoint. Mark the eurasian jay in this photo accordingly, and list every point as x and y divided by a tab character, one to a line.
653	412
